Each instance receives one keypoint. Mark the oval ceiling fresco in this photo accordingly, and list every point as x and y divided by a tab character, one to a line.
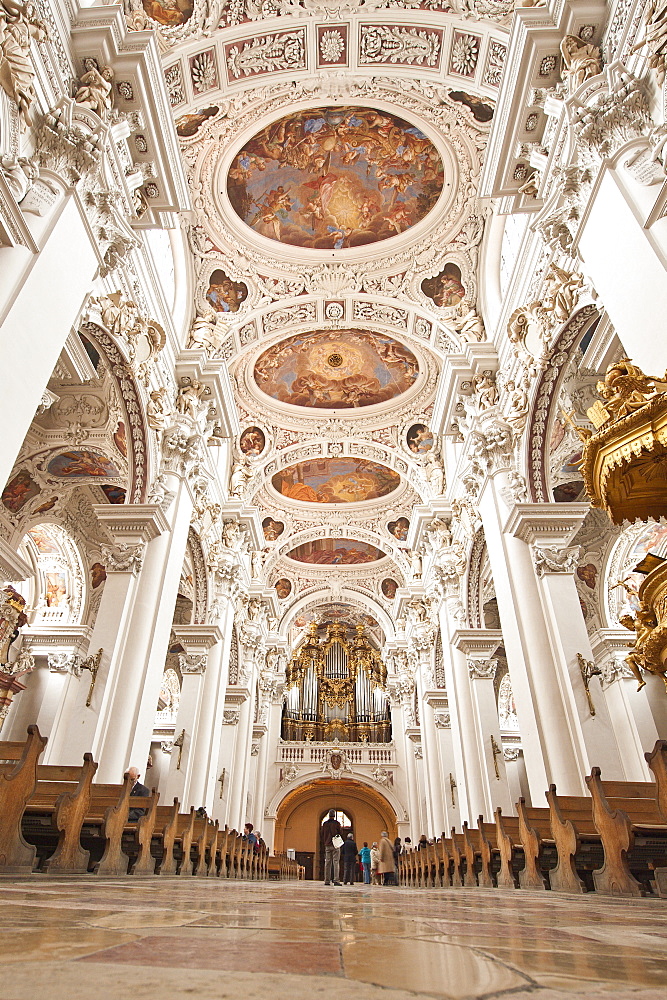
330	178
335	552
335	481
336	369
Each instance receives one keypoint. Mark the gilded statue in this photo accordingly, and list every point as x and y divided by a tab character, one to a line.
626	388
642	624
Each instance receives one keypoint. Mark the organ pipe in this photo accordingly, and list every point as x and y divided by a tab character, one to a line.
336	687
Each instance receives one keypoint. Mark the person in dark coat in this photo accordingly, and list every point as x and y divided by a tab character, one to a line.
137	789
331	829
349	851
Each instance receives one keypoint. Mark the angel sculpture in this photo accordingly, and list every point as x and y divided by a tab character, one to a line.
642	624
626	388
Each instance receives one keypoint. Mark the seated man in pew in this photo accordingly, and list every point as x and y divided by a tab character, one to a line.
137	789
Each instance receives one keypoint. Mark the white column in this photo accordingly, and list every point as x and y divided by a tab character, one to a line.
553	745
470	785
45	303
239	777
432	767
78	728
612	220
591	733
639	718
222	810
196	704
478	645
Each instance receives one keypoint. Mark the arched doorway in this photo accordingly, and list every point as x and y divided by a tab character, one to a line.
300	814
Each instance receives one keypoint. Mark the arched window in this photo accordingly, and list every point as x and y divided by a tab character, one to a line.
57	589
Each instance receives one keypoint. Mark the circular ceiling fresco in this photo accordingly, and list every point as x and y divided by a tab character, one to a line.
330	178
335	481
336	369
335	552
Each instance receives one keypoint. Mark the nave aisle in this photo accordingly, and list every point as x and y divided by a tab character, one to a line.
171	939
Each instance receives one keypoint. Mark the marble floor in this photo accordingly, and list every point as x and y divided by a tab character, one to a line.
174	939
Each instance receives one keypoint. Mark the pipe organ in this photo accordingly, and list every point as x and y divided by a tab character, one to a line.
336	688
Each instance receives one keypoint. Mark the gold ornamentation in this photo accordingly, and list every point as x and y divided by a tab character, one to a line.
649	650
624	464
588	670
92	663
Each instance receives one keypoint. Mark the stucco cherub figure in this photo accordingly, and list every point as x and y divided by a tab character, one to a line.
642	624
191	397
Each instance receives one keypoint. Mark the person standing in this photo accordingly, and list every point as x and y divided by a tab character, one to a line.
385	859
375	861
349	850
331	831
365	855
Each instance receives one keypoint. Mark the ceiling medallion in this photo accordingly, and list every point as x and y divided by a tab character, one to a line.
332	178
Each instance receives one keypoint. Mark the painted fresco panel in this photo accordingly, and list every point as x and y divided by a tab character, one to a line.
336	369
335	552
331	178
335	481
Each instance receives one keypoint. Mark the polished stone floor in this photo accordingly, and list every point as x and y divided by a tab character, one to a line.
172	939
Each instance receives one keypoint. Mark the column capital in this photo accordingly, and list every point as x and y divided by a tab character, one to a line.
12	566
43	640
552	559
196	638
481	670
193	663
131	522
546	522
478	643
123	558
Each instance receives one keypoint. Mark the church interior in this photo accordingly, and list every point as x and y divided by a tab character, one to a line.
436	605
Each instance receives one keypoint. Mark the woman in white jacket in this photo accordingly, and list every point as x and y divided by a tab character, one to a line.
375	861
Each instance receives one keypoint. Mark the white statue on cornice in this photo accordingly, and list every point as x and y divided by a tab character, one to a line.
581	60
204	333
468	324
435	474
159	408
239	479
95	89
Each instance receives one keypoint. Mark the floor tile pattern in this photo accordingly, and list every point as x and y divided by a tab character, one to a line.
172	939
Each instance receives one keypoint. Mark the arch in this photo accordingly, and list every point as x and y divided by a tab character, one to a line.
546	395
142	446
58	587
298	813
355	598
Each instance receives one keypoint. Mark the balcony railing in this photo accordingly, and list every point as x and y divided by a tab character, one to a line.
357	753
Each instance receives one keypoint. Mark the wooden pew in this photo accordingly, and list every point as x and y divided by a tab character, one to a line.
510	851
470	877
575	835
70	810
447	859
535	834
620	821
489	854
16	855
458	875
657	761
166	821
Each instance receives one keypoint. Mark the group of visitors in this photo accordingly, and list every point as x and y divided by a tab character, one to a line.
379	862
